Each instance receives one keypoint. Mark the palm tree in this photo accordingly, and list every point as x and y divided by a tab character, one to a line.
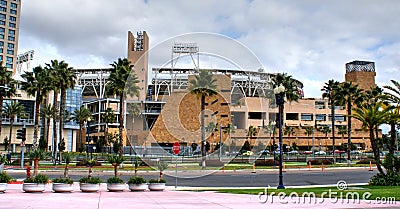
115	161
203	86
46	113
81	116
372	115
36	84
6	80
251	132
349	94
331	91
308	131
326	130
290	84
229	129
12	110
108	117
62	79
36	155
289	131
393	96
120	86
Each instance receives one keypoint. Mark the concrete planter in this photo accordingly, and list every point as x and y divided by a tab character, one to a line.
157	186
116	187
3	187
138	187
61	187
85	187
33	187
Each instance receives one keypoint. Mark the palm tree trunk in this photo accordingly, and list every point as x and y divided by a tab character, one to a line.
62	114
121	123
1	112
348	131
36	165
106	137
47	130
115	170
11	128
392	142
376	151
66	170
333	130
54	147
36	127
203	133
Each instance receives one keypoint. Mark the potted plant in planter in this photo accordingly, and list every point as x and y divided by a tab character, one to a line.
4	179
35	184
91	184
115	161
63	185
157	185
115	184
137	183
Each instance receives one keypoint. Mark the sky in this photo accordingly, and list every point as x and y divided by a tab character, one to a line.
311	40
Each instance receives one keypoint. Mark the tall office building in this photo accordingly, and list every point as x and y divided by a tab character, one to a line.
10	11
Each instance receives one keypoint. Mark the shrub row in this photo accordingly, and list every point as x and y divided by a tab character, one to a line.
320	161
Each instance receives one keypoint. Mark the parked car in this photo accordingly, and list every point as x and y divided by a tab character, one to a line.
293	152
307	152
264	152
247	153
320	153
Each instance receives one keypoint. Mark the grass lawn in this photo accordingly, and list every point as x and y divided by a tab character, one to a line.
376	191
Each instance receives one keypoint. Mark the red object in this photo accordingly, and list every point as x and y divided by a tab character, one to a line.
176	148
28	172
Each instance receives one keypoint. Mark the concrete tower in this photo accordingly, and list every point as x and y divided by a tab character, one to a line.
137	54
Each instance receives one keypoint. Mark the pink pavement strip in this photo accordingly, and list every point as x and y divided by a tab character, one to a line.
15	198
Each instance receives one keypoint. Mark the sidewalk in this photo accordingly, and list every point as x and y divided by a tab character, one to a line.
15	198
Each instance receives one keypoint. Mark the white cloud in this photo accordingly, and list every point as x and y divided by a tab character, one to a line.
311	40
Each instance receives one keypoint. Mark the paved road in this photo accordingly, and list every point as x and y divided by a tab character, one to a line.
243	178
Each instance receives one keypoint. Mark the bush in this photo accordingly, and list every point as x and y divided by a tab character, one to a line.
38	179
85	163
63	180
136	180
213	163
366	161
92	180
385	180
4	178
266	162
320	161
114	180
154	181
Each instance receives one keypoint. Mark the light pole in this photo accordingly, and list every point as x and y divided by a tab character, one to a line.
280	100
88	137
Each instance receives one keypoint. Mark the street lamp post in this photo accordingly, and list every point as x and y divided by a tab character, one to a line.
280	100
88	137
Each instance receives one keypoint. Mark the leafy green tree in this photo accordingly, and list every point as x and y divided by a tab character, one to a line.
392	96
122	82
36	155
81	116
36	84
331	90
11	110
203	85
372	115
289	131
6	143
342	130
6	80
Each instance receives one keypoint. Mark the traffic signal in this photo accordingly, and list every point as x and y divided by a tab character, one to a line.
21	134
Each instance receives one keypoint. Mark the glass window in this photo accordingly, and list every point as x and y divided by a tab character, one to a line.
13	11
2	16
13	19
10	46
292	116
3	9
11	24
1	43
1	57
1	36
13	5
8	65
306	116
10	52
10	32
9	59
320	117
2	22
2	2
338	118
10	38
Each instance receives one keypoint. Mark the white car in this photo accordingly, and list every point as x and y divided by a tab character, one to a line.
320	153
